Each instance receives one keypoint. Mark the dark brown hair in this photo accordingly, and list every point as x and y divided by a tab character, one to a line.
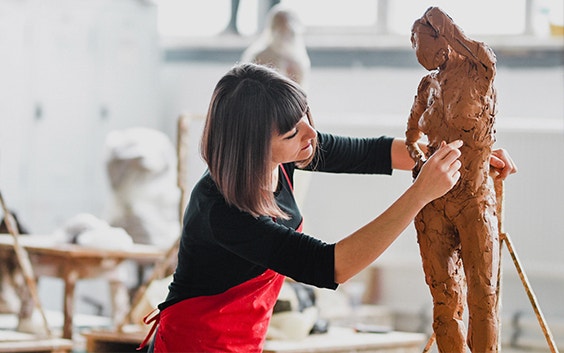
250	103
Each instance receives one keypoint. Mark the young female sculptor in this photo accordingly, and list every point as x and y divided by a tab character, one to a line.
242	228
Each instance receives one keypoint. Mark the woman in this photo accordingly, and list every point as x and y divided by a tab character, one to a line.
242	227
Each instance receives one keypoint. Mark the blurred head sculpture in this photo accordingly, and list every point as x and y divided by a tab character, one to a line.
281	45
141	166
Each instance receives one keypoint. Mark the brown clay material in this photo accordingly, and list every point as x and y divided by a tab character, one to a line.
458	233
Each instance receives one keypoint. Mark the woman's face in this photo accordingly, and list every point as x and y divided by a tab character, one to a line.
294	145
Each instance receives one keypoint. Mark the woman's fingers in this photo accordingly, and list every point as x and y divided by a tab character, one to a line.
446	157
455	168
502	162
451	161
442	170
449	151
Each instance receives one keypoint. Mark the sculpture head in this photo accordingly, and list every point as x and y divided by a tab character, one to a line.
431	49
284	24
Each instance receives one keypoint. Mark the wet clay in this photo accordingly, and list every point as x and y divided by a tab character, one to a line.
457	233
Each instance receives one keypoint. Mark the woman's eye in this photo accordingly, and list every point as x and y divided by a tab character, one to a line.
292	135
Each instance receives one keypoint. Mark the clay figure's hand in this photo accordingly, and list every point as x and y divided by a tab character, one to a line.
415	151
501	162
417	167
441	171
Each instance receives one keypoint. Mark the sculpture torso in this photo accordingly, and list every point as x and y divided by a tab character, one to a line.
456	110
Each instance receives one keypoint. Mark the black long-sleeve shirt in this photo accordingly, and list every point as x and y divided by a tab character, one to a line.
222	247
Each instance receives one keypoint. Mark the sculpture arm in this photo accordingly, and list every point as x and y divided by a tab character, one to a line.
413	132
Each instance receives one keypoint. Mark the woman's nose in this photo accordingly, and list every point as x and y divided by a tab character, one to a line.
310	132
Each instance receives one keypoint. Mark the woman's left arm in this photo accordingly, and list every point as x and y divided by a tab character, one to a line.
401	160
354	155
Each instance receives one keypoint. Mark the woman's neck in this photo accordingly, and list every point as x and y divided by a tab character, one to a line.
274	179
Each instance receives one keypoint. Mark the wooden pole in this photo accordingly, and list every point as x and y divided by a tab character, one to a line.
429	343
24	261
182	155
500	203
530	294
158	272
505	239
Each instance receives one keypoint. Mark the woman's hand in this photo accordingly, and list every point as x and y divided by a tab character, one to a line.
501	162
440	172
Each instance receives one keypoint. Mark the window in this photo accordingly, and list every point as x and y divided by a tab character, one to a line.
192	18
475	17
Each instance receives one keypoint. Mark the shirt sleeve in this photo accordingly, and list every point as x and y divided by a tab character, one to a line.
340	154
275	246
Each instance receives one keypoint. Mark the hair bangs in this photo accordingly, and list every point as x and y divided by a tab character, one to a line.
291	109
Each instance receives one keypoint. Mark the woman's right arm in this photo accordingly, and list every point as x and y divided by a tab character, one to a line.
358	250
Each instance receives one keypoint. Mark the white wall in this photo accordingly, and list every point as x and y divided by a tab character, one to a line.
71	72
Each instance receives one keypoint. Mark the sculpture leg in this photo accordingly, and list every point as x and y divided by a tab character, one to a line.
480	254
440	252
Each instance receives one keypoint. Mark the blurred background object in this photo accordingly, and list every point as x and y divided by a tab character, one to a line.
281	45
141	165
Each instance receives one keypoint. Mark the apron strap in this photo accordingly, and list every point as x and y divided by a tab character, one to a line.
153	317
300	226
287	177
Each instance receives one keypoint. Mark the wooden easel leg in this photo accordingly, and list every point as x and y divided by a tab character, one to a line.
504	239
25	263
530	294
498	295
429	343
158	272
500	203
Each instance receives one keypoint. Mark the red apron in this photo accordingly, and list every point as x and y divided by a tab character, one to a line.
234	321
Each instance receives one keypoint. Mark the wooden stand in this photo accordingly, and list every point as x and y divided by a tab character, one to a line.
13	341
